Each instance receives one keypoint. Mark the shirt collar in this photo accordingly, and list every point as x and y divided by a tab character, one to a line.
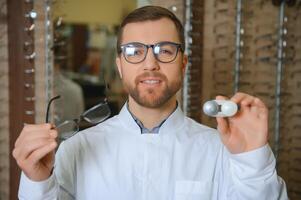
142	127
172	122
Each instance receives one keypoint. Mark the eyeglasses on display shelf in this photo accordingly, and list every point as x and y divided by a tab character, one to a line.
222	13
267	60
267	39
224	52
224	27
223	64
30	56
31	15
227	76
218	4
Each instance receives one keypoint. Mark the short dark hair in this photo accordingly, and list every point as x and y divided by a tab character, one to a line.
150	13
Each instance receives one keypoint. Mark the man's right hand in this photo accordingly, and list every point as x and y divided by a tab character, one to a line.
34	151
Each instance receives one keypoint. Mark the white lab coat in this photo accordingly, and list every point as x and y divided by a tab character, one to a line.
185	161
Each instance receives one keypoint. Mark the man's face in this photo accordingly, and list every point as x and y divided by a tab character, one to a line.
151	83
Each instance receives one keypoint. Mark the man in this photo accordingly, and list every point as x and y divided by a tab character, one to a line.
151	150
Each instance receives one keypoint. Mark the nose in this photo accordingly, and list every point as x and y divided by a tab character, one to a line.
150	62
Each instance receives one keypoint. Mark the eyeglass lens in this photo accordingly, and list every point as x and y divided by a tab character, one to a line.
67	129
94	115
97	113
164	52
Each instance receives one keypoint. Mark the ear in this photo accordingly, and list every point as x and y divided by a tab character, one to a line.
184	63
118	64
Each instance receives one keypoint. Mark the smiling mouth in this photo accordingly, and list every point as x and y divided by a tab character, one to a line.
150	82
150	79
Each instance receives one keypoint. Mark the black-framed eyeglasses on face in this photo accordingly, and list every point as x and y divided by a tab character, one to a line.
94	115
165	52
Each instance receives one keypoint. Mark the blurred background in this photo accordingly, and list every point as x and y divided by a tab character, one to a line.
67	48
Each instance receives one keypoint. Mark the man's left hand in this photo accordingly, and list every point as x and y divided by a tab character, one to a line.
248	129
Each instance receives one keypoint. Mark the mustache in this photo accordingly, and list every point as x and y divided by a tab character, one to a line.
150	74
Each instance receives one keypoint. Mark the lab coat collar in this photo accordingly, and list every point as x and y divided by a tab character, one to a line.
173	122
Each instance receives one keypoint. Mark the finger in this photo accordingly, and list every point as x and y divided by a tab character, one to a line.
254	109
259	103
25	151
239	97
220	97
262	109
254	103
53	133
30	139
244	101
28	128
247	101
37	155
222	126
37	138
40	133
32	127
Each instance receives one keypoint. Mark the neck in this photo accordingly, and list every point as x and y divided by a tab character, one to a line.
151	117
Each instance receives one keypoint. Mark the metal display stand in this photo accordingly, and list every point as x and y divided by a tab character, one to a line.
279	77
48	52
238	41
188	41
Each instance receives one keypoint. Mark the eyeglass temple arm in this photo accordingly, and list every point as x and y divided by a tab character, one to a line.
48	107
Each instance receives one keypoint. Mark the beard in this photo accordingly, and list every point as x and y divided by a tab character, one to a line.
150	97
